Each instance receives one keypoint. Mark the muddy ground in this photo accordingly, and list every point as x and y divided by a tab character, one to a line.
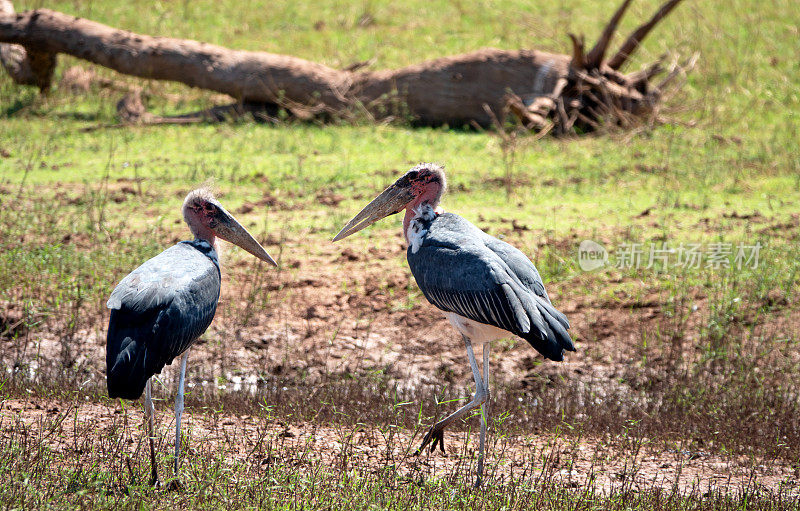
353	311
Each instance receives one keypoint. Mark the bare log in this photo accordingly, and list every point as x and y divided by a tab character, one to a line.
546	89
528	116
454	90
642	78
26	67
256	76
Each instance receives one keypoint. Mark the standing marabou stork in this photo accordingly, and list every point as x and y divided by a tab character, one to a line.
486	288
162	307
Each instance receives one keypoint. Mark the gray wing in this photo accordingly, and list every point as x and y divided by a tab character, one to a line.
158	311
488	282
519	263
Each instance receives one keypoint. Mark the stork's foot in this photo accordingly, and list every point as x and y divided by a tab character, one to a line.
154	482
174	485
434	436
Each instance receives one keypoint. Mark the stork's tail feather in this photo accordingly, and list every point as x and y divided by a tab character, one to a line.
126	372
128	363
554	339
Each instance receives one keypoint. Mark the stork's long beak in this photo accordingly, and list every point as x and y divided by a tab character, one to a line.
391	201
229	229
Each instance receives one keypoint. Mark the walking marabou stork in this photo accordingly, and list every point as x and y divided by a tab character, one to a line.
162	307
486	288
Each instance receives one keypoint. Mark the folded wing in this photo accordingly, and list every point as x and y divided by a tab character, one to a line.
461	269
157	312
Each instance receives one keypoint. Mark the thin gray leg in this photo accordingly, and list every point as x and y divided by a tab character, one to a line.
149	412
436	433
179	412
484	413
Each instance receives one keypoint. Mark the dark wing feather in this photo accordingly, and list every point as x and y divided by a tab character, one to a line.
523	269
461	269
158	311
463	282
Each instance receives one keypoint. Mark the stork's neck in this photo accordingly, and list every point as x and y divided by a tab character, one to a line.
425	205
423	212
417	222
203	233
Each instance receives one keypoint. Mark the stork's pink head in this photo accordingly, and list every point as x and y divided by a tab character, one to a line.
423	184
207	219
426	182
199	209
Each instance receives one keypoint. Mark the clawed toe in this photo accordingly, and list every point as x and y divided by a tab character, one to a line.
174	485
154	482
434	437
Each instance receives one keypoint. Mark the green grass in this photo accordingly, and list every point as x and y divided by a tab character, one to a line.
729	150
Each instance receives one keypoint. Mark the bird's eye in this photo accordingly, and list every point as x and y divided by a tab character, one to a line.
204	208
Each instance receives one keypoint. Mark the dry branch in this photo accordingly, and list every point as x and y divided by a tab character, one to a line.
541	89
638	35
597	54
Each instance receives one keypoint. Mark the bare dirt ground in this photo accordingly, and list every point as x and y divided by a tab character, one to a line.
340	310
80	432
354	311
354	308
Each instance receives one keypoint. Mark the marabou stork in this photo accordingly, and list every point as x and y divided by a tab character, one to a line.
162	307
486	288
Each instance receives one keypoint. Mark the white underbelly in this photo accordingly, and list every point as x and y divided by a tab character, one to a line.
478	332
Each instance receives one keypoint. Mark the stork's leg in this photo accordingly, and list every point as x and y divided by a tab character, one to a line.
149	412
484	413
436	433
179	412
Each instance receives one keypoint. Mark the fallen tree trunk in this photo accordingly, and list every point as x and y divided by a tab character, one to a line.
24	67
578	91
